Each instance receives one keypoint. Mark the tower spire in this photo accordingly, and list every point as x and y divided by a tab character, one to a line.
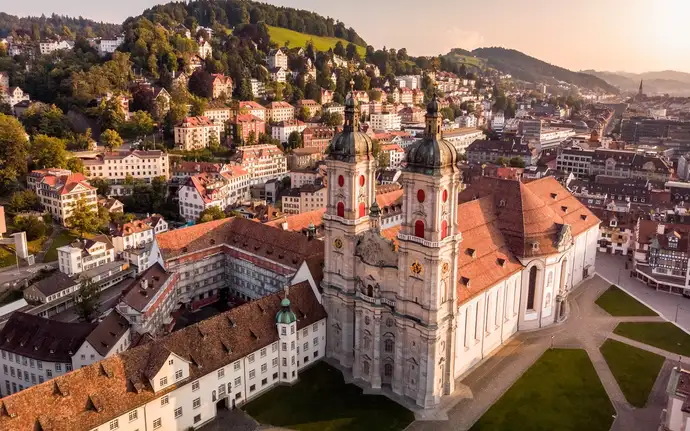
350	124
640	92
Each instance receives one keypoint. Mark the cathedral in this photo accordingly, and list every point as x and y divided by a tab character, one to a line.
412	309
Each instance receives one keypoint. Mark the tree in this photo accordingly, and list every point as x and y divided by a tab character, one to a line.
75	164
140	124
339	49
48	152
213	142
14	150
34	226
516	162
294	140
332	119
448	113
201	84
198	106
110	139
210	214
109	114
351	52
87	300
501	161
244	91
102	186
24	200
84	218
44	119
303	114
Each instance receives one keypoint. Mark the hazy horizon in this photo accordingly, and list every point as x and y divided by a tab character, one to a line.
609	35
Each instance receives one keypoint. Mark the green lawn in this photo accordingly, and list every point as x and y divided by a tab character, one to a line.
280	35
635	369
65	237
561	391
616	302
664	335
321	401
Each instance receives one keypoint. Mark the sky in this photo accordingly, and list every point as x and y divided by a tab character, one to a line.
614	35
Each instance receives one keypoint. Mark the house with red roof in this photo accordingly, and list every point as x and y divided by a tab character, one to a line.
59	189
246	129
196	132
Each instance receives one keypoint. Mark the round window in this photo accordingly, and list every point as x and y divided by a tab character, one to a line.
341	181
420	195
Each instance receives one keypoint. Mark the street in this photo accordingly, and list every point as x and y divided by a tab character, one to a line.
612	268
12	274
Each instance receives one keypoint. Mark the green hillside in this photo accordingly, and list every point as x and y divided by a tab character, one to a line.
281	35
460	56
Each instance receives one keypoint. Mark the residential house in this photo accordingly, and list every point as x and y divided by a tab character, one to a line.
282	130
278	74
394	155
317	137
59	190
196	133
385	121
263	162
219	113
119	165
247	128
253	108
277	58
221	86
280	111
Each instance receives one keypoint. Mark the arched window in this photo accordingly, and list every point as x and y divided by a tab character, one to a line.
365	368
361	180
532	287
388	370
444	195
420	195
370	291
388	345
362	209
419	229
341	209
341	180
444	229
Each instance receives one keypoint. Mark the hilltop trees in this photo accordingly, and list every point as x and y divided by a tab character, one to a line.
111	139
13	151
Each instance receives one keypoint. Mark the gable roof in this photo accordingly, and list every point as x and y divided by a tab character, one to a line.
121	382
108	332
43	339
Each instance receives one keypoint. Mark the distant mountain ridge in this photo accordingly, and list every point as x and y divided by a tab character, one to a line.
670	82
526	68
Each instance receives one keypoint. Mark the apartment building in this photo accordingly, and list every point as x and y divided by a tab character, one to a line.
246	129
59	190
385	121
412	114
249	258
299	178
280	111
462	138
252	108
263	162
34	350
149	301
258	88
660	255
108	46
50	46
195	133
317	137
394	154
309	197
85	254
487	151
206	190
218	113
181	170
576	161
117	166
135	241
282	130
189	375
277	58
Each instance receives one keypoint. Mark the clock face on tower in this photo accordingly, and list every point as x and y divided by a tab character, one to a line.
338	243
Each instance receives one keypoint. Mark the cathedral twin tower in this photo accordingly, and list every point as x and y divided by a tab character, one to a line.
391	303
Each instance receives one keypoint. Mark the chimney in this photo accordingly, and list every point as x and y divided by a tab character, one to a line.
144	284
660	229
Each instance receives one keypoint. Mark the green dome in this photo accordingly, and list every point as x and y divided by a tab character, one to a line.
285	315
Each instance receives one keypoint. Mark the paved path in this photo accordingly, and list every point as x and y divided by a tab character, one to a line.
668	305
47	243
587	327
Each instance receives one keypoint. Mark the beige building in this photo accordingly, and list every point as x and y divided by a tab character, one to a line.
263	162
59	189
195	133
116	166
218	113
307	198
280	111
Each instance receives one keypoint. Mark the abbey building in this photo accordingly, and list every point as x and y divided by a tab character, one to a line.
415	307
